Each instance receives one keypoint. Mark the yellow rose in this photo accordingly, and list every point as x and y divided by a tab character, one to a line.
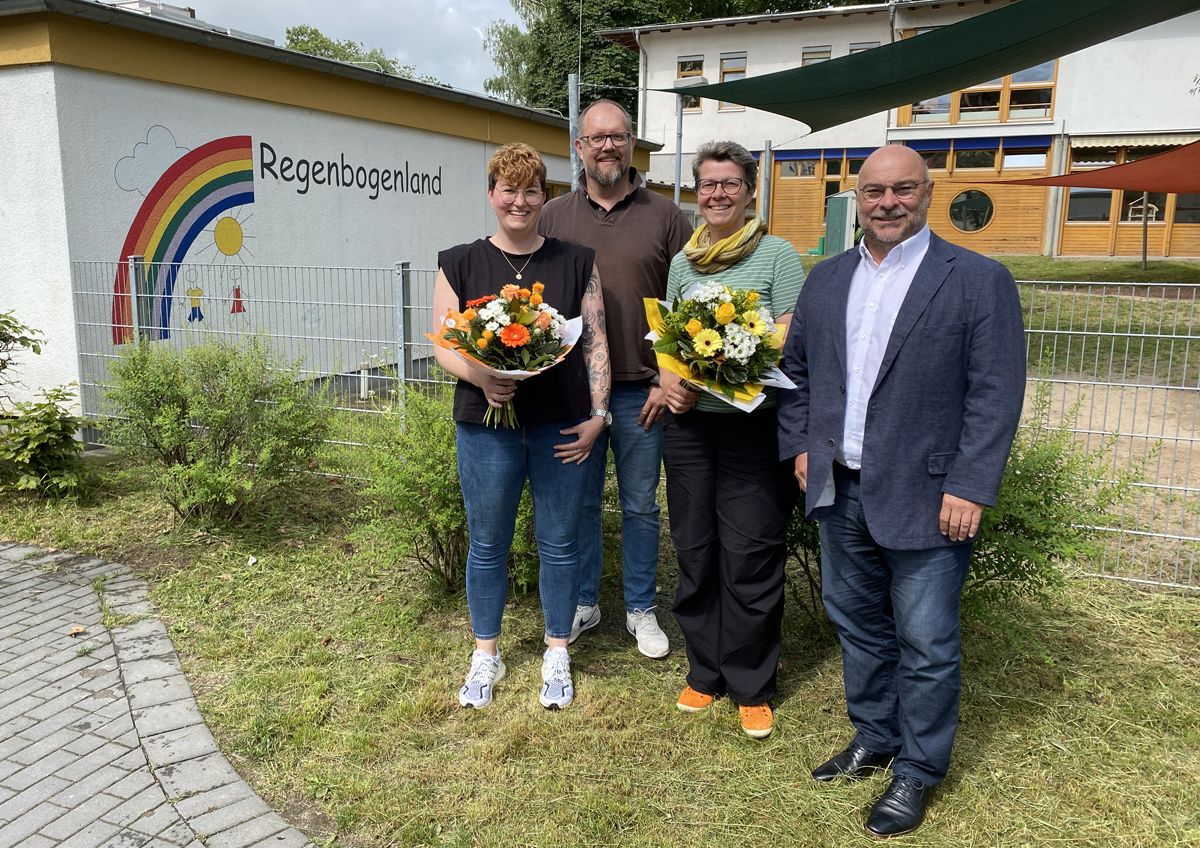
753	322
707	342
693	327
752	297
725	313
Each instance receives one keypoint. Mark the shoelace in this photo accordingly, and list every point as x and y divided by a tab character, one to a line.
560	669
482	670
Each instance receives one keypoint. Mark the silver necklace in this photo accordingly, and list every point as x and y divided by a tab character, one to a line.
514	267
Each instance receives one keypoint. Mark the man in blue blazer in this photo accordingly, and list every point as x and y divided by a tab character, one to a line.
909	361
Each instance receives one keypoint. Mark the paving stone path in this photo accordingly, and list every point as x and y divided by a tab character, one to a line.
101	742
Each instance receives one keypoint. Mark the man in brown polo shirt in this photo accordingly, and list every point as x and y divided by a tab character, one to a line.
634	233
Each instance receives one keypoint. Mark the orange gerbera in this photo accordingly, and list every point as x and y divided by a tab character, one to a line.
514	335
480	301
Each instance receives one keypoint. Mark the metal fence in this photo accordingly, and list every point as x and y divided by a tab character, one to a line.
1122	360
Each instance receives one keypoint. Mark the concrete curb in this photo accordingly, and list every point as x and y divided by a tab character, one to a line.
101	740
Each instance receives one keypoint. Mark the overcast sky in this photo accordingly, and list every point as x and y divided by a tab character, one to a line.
443	38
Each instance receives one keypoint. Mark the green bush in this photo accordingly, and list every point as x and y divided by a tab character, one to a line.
14	336
38	448
1054	494
225	421
413	474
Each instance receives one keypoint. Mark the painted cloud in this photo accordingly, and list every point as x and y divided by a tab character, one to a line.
149	161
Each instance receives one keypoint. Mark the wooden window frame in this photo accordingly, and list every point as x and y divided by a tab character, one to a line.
680	73
725	73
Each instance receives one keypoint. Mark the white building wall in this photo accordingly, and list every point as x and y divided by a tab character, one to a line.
35	274
87	147
769	47
1138	83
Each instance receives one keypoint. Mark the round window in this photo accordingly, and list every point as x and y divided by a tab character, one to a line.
971	211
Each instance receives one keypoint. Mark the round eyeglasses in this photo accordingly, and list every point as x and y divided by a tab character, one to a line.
730	186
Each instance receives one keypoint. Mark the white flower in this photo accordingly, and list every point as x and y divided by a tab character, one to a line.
739	343
706	293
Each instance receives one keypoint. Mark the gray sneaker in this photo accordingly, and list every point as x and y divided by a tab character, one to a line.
651	641
557	688
486	671
586	617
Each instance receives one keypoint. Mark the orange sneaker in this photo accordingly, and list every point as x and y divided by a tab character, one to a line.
757	720
691	701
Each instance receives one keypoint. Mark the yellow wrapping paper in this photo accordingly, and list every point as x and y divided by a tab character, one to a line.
744	394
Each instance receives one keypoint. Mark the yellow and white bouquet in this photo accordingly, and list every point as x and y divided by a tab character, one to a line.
723	340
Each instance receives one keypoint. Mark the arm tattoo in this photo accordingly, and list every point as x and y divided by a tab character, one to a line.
595	343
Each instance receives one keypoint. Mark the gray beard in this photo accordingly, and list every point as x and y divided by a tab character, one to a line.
608	179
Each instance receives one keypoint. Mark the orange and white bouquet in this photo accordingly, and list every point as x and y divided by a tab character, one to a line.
514	334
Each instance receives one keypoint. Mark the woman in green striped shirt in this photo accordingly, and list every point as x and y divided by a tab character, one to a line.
728	495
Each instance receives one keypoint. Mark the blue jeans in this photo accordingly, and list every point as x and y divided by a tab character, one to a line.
637	454
493	464
896	614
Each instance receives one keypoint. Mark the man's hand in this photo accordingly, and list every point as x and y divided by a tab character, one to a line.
802	471
959	520
586	433
652	409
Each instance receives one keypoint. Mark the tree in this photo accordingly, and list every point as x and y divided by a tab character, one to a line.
558	37
310	40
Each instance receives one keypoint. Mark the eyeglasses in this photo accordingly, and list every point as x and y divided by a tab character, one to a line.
597	141
533	196
902	191
730	186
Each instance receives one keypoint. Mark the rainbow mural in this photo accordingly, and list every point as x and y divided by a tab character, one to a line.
207	181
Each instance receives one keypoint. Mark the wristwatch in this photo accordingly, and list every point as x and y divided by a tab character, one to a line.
603	413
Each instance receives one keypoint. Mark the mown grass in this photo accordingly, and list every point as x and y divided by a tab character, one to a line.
329	676
1086	270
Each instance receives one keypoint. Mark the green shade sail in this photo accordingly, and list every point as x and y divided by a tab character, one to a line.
967	53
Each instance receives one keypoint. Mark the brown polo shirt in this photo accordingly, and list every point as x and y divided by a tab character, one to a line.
634	243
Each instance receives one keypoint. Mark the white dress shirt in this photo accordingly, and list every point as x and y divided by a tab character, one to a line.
876	293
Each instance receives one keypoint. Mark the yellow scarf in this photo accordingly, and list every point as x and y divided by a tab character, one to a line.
709	258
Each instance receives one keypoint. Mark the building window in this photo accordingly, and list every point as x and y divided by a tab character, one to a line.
690	66
1017	158
1092	205
974	159
862	46
935	159
799	168
981	103
932	110
814	55
853	166
971	210
733	67
1187	209
1133	209
1022	96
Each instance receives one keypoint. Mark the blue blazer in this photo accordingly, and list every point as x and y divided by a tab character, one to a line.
946	403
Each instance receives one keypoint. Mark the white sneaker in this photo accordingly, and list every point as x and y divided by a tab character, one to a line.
557	689
486	671
586	617
651	641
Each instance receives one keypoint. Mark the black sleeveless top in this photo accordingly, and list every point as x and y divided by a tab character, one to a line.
478	269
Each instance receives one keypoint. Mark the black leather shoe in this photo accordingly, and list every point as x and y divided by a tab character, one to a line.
900	809
853	763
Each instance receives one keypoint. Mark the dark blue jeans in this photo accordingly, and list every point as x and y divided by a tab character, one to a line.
637	455
896	614
493	464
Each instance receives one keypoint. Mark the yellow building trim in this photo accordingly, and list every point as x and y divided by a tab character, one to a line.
25	41
80	43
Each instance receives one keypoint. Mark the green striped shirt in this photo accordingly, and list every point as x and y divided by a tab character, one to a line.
773	270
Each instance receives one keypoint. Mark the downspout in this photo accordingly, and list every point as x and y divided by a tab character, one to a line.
643	60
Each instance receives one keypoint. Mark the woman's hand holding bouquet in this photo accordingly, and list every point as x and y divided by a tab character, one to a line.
510	336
